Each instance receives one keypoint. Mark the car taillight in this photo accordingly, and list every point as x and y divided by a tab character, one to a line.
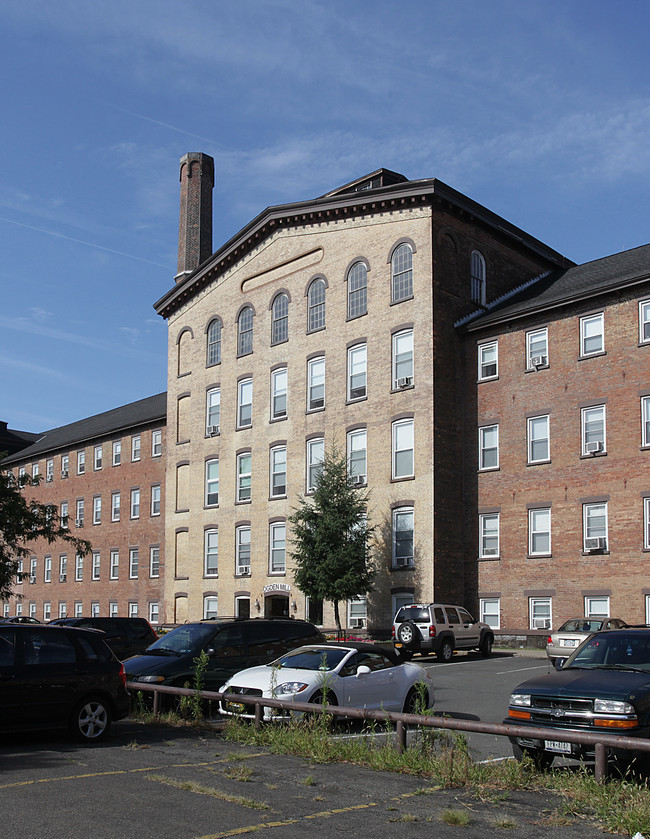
549	640
123	674
393	632
432	632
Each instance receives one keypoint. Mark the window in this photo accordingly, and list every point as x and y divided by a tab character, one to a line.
477	280
153	613
539	531
19	608
135	447
133	610
488	534
316	383
78	609
278	548
47	577
593	430
488	442
538	439
210	608
357	372
65	465
242	607
47	611
115	506
316	305
79	518
81	462
34	470
154	562
211	483
403	442
278	461
114	570
315	455
96	565
245	403
156	443
403	542
32	610
97	458
357	456
594	526
540	614
213	412
490	611
536	349
97	509
49	470
117	452
155	500
63	568
645	421
243	549
279	381
597	606
245	331
63	515
63	609
403	359
213	343
402	273
357	290
280	319
134	561
78	568
211	553
357	612
244	477
112	609
592	334
488	361
135	503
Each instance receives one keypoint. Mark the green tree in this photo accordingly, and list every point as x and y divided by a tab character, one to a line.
23	522
331	537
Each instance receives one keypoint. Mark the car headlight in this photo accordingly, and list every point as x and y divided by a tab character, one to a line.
289	687
520	699
156	679
610	706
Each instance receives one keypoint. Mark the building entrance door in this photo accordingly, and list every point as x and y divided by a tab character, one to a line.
276	606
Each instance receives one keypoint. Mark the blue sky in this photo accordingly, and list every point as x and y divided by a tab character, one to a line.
540	110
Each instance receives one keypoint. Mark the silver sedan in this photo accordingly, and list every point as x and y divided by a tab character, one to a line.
572	633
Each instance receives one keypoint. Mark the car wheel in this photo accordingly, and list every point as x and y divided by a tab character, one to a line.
416	702
324	698
541	759
485	647
446	650
91	720
407	632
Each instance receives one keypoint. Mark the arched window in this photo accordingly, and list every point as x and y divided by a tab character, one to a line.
357	290
245	334
478	278
402	273
213	343
183	350
316	302
280	319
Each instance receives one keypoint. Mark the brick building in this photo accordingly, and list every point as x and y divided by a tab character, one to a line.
327	322
105	476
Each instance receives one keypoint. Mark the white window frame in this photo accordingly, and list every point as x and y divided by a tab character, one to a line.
591	529
65	465
81	462
47	610
645	420
32	610
279	393
245	331
243	539
489	528
63	609
357	281
156	443
63	568
488	361
154	612
357	450
589	436
315	456
64	516
115	506
97	458
211	552
114	568
47	569
78	608
134	563
136	448
245	403
112	609
134	505
78	568
244	476
278	547
539	528
133	609
80	511
97	509
591	601
357	372
316	305
210	607
280	319
644	321
35	470
212	482
403	441
154	562
401	271
540	609
592	328
403	359
358	612
213	343
278	469
316	383
484	450
117	452
94	609
155	499
49	470
96	566
490	611
537	347
400	516
538	433
213	411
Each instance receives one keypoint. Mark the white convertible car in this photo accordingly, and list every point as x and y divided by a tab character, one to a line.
355	675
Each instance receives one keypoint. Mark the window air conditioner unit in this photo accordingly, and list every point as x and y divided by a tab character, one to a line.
490	552
212	430
49	479
595	543
541	623
593	448
359	480
356	623
79	522
32	579
538	360
405	381
64	473
62	578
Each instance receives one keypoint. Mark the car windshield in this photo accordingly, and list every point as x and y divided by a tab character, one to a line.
188	638
613	650
581	625
316	659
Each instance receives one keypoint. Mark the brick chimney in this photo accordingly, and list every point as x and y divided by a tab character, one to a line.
195	225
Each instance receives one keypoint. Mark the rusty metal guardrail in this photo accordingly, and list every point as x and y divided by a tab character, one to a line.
601	742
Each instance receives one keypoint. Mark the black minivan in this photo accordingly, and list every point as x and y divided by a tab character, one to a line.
231	646
125	636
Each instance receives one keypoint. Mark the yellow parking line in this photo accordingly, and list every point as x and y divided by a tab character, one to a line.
252	828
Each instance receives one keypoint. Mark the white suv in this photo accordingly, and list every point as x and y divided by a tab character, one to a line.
439	628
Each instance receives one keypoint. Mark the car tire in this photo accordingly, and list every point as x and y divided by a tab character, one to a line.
485	647
541	759
446	650
407	633
324	698
91	720
414	702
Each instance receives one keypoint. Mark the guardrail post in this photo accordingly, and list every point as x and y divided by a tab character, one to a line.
156	700
258	716
400	736
600	769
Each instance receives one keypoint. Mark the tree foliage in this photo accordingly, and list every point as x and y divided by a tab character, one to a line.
23	522
331	537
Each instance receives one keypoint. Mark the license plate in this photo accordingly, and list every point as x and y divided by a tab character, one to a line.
568	642
557	746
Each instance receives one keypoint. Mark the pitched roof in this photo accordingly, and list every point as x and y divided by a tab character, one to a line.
559	288
133	415
12	440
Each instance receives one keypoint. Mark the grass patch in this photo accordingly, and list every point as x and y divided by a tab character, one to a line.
200	789
239	773
309	781
504	824
459	818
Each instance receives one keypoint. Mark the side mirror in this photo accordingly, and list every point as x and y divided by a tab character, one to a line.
559	663
363	670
